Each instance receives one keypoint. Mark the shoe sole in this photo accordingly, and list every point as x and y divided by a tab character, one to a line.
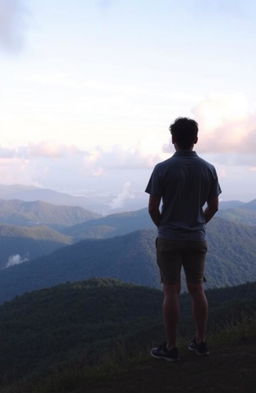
198	353
163	358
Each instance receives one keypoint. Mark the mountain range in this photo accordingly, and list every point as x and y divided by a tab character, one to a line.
131	258
91	201
122	223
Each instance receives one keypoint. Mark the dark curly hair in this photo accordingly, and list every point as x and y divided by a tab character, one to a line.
184	132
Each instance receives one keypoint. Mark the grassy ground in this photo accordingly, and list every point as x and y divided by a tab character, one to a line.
227	369
230	368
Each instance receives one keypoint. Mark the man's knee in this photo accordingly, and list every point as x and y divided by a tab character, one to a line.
195	289
171	289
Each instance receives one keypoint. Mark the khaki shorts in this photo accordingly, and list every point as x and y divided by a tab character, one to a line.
173	254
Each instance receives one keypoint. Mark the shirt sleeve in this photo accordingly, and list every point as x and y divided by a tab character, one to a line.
154	186
215	189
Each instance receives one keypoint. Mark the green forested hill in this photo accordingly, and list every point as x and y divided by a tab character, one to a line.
17	212
76	325
78	321
131	258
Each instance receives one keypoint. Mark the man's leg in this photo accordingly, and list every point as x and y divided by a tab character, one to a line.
199	310
194	263
171	311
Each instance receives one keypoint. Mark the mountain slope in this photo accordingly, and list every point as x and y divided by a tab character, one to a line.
244	213
36	233
19	212
131	258
123	223
78	320
18	244
32	193
111	225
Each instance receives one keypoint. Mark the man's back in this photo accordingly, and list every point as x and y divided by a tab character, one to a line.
185	182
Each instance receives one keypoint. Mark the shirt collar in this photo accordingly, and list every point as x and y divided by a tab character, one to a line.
185	153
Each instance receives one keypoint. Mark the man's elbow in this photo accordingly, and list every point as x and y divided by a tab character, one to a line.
213	205
215	209
152	211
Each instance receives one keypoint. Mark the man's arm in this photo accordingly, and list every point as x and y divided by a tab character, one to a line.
211	209
153	209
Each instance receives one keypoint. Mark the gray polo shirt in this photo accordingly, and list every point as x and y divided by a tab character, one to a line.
185	182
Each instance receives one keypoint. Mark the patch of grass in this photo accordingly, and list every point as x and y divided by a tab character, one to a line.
234	332
120	363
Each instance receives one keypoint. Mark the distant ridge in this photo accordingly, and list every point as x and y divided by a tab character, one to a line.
36	233
244	213
230	204
112	225
19	212
32	193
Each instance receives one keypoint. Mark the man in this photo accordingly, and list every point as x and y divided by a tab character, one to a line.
184	183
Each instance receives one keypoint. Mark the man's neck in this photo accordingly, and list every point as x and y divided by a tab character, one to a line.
177	148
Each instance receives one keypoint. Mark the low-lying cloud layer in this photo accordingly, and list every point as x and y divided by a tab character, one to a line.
116	157
227	138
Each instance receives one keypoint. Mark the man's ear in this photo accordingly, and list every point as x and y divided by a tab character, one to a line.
173	140
196	140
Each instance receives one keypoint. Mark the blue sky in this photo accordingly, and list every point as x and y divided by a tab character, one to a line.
89	88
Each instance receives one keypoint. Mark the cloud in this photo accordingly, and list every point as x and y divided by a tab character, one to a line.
11	24
125	194
46	149
119	157
15	260
226	125
50	149
98	159
15	171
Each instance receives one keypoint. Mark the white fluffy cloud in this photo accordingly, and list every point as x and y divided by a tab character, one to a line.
119	157
125	194
16	260
226	125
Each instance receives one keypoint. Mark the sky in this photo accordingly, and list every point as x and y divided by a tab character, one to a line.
88	90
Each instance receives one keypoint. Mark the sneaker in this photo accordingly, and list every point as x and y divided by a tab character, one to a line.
200	349
162	352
